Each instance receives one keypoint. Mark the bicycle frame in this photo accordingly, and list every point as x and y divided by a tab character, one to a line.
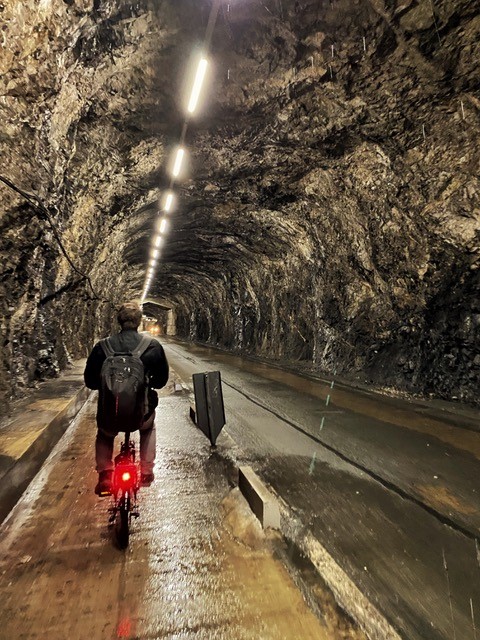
125	489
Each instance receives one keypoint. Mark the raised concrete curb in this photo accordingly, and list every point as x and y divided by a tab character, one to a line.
346	593
276	514
27	439
261	501
348	596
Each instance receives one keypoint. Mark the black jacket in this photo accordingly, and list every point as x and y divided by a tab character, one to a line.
153	358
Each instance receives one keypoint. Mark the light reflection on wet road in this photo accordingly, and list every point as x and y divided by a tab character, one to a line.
198	565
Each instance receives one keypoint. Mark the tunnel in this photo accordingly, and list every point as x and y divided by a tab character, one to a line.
314	211
328	211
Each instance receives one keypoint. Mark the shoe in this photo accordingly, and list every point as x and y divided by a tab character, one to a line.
104	484
146	479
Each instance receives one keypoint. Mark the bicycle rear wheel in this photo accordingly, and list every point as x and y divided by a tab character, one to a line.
123	522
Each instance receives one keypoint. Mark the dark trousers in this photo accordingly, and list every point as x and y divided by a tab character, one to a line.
148	442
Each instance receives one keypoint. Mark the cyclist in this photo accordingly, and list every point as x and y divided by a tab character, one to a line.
156	374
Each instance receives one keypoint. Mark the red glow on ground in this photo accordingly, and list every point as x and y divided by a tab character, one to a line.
124	628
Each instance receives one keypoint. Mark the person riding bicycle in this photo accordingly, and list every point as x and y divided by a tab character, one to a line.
156	376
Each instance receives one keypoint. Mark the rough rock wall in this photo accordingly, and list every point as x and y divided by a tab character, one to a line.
76	79
331	216
347	133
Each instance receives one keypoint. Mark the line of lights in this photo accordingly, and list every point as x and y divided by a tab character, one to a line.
197	85
178	160
168	202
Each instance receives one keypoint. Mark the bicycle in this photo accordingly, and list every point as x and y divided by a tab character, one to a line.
125	486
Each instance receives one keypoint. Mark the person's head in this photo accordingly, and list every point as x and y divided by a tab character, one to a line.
129	315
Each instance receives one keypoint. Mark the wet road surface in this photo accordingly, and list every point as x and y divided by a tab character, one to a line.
198	564
390	488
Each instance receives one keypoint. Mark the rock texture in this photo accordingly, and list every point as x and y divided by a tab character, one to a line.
79	91
331	217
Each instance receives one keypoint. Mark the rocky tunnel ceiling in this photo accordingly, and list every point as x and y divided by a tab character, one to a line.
330	216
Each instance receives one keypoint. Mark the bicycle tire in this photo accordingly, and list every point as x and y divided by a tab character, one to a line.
123	524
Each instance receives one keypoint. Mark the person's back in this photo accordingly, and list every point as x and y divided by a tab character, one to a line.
156	375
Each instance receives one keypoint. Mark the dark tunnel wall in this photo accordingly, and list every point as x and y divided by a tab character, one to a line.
331	214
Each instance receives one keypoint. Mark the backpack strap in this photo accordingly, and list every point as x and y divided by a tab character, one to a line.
142	346
107	347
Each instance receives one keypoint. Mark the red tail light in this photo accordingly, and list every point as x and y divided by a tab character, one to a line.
125	476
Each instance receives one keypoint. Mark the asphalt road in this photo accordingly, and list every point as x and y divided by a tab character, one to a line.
389	487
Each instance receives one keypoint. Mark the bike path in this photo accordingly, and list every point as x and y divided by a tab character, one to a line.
198	565
33	427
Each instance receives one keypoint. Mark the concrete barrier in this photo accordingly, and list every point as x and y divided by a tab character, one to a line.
262	502
28	439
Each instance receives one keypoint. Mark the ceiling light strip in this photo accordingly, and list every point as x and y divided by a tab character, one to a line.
197	85
192	105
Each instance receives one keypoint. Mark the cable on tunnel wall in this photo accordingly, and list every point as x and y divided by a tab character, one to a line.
38	205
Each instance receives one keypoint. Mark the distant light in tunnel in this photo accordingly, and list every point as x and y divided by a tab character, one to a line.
168	202
158	241
155	254
163	225
178	161
197	85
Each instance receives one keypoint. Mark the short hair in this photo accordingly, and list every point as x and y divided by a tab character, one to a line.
129	315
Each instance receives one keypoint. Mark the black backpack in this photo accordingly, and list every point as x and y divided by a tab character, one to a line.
123	388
